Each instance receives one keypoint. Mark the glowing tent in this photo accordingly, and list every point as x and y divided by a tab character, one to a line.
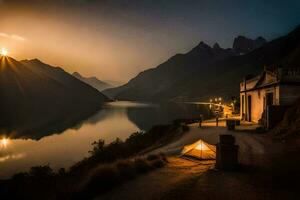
200	150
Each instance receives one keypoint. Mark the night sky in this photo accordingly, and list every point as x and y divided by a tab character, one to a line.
116	39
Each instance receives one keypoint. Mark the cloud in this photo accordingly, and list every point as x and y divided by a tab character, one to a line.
17	37
12	37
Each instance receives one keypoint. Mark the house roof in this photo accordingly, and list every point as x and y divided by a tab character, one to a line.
270	78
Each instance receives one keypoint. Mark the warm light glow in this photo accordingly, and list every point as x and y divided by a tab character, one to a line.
4	142
4	52
202	147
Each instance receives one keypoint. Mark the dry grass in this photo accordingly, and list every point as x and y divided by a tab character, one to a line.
108	176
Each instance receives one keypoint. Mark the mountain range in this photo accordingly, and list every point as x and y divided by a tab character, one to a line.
93	81
205	71
37	99
244	45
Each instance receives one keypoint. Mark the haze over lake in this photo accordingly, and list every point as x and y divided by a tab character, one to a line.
115	120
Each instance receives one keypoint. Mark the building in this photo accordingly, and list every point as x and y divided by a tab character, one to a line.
265	97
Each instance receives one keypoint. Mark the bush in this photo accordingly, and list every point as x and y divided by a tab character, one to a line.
62	172
103	178
41	171
163	157
20	176
126	169
157	163
41	181
141	166
152	157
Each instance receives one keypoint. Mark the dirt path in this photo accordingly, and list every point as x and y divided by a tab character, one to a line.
161	183
256	144
189	180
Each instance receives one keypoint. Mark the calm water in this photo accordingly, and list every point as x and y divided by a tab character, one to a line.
117	119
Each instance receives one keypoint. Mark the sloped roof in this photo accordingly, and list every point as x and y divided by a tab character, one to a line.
262	79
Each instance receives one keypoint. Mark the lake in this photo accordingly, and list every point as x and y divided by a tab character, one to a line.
115	120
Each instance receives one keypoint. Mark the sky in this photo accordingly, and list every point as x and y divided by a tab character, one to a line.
117	39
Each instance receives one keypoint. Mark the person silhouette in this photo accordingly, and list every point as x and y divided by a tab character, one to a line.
200	121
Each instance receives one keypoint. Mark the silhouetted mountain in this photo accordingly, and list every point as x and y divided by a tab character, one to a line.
242	44
216	46
93	81
205	72
152	82
37	99
113	83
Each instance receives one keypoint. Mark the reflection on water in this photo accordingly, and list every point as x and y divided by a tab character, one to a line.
117	119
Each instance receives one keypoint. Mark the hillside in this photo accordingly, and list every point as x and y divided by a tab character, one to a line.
148	85
245	45
93	81
208	71
289	127
38	99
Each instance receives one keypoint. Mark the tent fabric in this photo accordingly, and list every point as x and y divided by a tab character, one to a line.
200	150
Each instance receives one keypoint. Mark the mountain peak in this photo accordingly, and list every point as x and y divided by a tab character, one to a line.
27	87
200	47
35	60
203	45
243	44
216	46
76	74
9	61
92	81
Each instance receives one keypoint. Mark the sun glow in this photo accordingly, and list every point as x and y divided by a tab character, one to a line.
4	52
4	142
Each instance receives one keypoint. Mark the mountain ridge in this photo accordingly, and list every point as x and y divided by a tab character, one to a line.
38	99
206	75
92	81
243	44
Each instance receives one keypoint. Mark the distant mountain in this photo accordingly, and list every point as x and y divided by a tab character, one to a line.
149	84
243	45
114	83
205	72
37	99
93	81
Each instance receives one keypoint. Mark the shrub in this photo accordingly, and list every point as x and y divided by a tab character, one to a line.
103	178
41	180
157	163
41	171
152	157
126	169
20	176
62	172
141	166
163	157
